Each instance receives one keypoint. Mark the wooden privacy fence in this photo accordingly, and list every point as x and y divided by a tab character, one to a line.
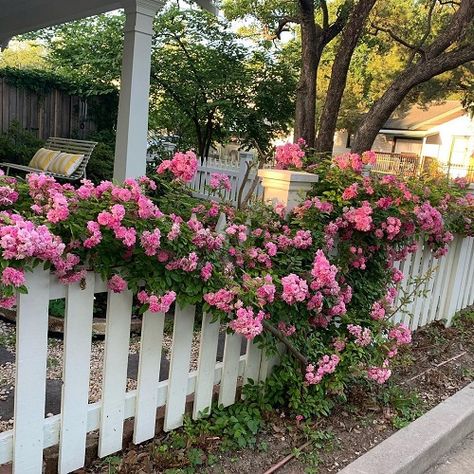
236	171
53	114
450	289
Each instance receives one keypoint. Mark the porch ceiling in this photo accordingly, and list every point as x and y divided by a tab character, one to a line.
22	16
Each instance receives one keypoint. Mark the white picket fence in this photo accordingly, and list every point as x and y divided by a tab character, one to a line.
450	288
236	171
33	432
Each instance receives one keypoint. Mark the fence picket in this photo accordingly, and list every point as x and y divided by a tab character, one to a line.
421	300
437	288
179	367
465	264
470	298
114	386
429	300
230	370
148	376
30	380
76	369
455	281
206	365
413	272
470	273
253	361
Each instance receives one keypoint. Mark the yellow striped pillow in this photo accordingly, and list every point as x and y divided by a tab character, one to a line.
65	163
43	157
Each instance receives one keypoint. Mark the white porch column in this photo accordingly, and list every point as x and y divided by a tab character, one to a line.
132	123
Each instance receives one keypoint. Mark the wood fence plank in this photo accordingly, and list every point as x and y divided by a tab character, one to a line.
253	361
206	365
179	366
114	385
422	300
76	371
438	288
30	380
148	376
230	371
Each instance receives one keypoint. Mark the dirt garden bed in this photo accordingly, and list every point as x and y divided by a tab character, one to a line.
439	362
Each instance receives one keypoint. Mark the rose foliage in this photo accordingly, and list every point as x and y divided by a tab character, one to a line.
319	280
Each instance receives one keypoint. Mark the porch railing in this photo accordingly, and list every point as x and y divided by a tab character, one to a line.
398	164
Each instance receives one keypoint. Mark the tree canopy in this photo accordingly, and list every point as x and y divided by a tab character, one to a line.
352	52
207	84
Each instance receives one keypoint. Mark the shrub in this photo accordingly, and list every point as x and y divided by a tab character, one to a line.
18	145
321	280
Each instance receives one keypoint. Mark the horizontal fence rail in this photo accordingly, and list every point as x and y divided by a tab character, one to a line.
450	288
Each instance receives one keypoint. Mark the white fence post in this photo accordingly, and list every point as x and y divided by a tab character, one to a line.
30	380
114	384
76	370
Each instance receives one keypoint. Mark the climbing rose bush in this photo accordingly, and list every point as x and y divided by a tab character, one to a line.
321	280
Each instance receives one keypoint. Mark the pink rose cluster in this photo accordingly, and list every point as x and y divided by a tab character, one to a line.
157	304
220	181
363	336
183	166
290	155
354	161
380	374
295	289
247	323
326	365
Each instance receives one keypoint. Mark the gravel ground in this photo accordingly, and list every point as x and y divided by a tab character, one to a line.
55	363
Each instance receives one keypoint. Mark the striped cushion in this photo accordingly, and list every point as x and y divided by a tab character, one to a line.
43	157
65	163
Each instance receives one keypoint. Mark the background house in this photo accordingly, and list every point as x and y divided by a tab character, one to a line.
442	132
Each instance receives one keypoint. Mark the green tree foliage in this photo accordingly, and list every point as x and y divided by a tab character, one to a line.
207	84
396	35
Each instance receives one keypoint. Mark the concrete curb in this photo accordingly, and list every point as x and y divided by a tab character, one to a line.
417	447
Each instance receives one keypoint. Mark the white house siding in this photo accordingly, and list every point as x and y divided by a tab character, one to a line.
439	144
381	143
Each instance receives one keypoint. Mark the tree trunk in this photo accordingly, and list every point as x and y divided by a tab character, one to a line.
340	68
435	59
311	50
393	96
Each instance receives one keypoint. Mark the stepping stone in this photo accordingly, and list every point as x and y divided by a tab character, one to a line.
6	356
53	400
132	369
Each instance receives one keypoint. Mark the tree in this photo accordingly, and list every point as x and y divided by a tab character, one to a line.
211	86
206	85
316	33
448	49
368	62
340	68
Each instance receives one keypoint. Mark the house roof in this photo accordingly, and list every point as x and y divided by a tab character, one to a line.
22	16
420	119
